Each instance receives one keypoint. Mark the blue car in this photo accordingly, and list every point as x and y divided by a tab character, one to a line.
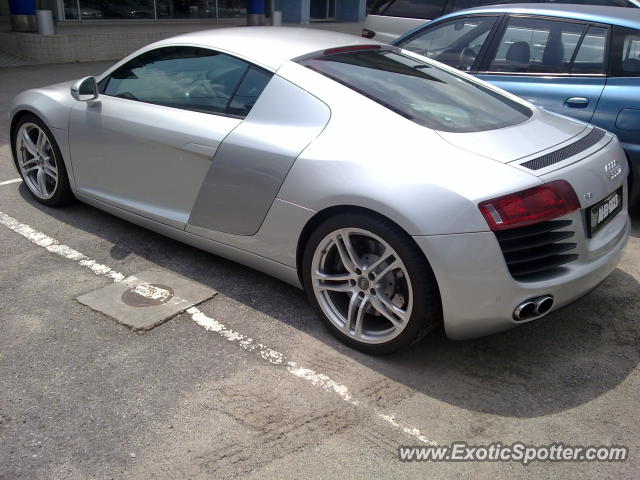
578	60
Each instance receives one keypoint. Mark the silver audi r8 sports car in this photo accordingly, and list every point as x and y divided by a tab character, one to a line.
398	192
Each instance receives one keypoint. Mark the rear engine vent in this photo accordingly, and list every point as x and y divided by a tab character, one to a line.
575	148
535	250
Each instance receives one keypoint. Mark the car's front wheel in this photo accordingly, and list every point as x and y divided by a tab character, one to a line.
369	283
39	161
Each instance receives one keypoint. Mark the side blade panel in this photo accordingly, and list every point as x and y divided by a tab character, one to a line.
253	161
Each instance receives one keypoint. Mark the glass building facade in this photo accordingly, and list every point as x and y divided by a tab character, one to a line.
153	9
295	11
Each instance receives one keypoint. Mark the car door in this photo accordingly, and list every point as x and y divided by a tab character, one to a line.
619	108
556	64
458	42
147	142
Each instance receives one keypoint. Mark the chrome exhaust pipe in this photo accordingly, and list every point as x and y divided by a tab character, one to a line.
524	311
543	304
533	308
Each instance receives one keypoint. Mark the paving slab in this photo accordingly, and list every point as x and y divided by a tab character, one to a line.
147	299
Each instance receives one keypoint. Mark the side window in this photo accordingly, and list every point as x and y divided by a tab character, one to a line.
249	90
428	9
536	45
590	56
625	60
456	43
181	77
455	5
378	6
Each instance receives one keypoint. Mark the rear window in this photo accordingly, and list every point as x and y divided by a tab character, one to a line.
421	92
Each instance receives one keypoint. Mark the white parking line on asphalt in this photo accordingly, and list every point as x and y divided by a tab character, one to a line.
272	356
9	182
315	378
52	245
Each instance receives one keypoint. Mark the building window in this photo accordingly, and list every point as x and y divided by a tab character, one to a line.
152	9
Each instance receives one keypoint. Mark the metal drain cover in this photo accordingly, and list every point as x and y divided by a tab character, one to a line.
147	295
147	299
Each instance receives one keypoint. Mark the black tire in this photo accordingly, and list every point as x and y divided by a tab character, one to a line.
62	194
426	313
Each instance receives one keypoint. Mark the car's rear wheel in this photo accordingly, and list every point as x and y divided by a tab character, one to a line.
369	283
39	161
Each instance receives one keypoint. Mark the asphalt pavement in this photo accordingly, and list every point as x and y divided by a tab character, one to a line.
250	385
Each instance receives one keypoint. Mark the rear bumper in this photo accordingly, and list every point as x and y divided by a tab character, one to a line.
478	293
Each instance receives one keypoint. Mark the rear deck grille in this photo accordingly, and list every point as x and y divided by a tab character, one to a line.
589	140
536	250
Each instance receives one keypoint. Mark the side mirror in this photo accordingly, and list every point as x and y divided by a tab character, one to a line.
85	89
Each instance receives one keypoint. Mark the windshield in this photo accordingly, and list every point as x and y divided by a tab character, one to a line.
421	92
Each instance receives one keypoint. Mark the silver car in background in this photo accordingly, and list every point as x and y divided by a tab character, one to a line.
398	192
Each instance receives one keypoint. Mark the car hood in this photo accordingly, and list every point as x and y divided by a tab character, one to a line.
541	132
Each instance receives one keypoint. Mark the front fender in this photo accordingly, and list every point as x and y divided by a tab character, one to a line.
52	105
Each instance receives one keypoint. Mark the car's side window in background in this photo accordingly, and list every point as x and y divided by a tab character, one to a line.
456	43
455	5
537	45
181	77
428	9
590	55
625	53
379	6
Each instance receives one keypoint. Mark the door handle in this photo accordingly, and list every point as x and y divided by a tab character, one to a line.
576	102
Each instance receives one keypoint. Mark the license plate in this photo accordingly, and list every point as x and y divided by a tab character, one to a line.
602	212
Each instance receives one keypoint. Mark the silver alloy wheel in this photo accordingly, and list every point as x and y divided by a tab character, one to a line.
361	285
37	161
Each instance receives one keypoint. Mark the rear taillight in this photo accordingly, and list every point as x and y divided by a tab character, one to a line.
533	205
366	33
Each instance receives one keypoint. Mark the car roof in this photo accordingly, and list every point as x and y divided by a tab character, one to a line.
625	17
267	46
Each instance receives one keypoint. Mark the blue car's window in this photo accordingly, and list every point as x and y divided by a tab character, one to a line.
419	91
456	42
625	52
590	56
537	45
631	54
182	77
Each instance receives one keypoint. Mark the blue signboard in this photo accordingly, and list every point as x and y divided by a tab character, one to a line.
255	7
22	7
